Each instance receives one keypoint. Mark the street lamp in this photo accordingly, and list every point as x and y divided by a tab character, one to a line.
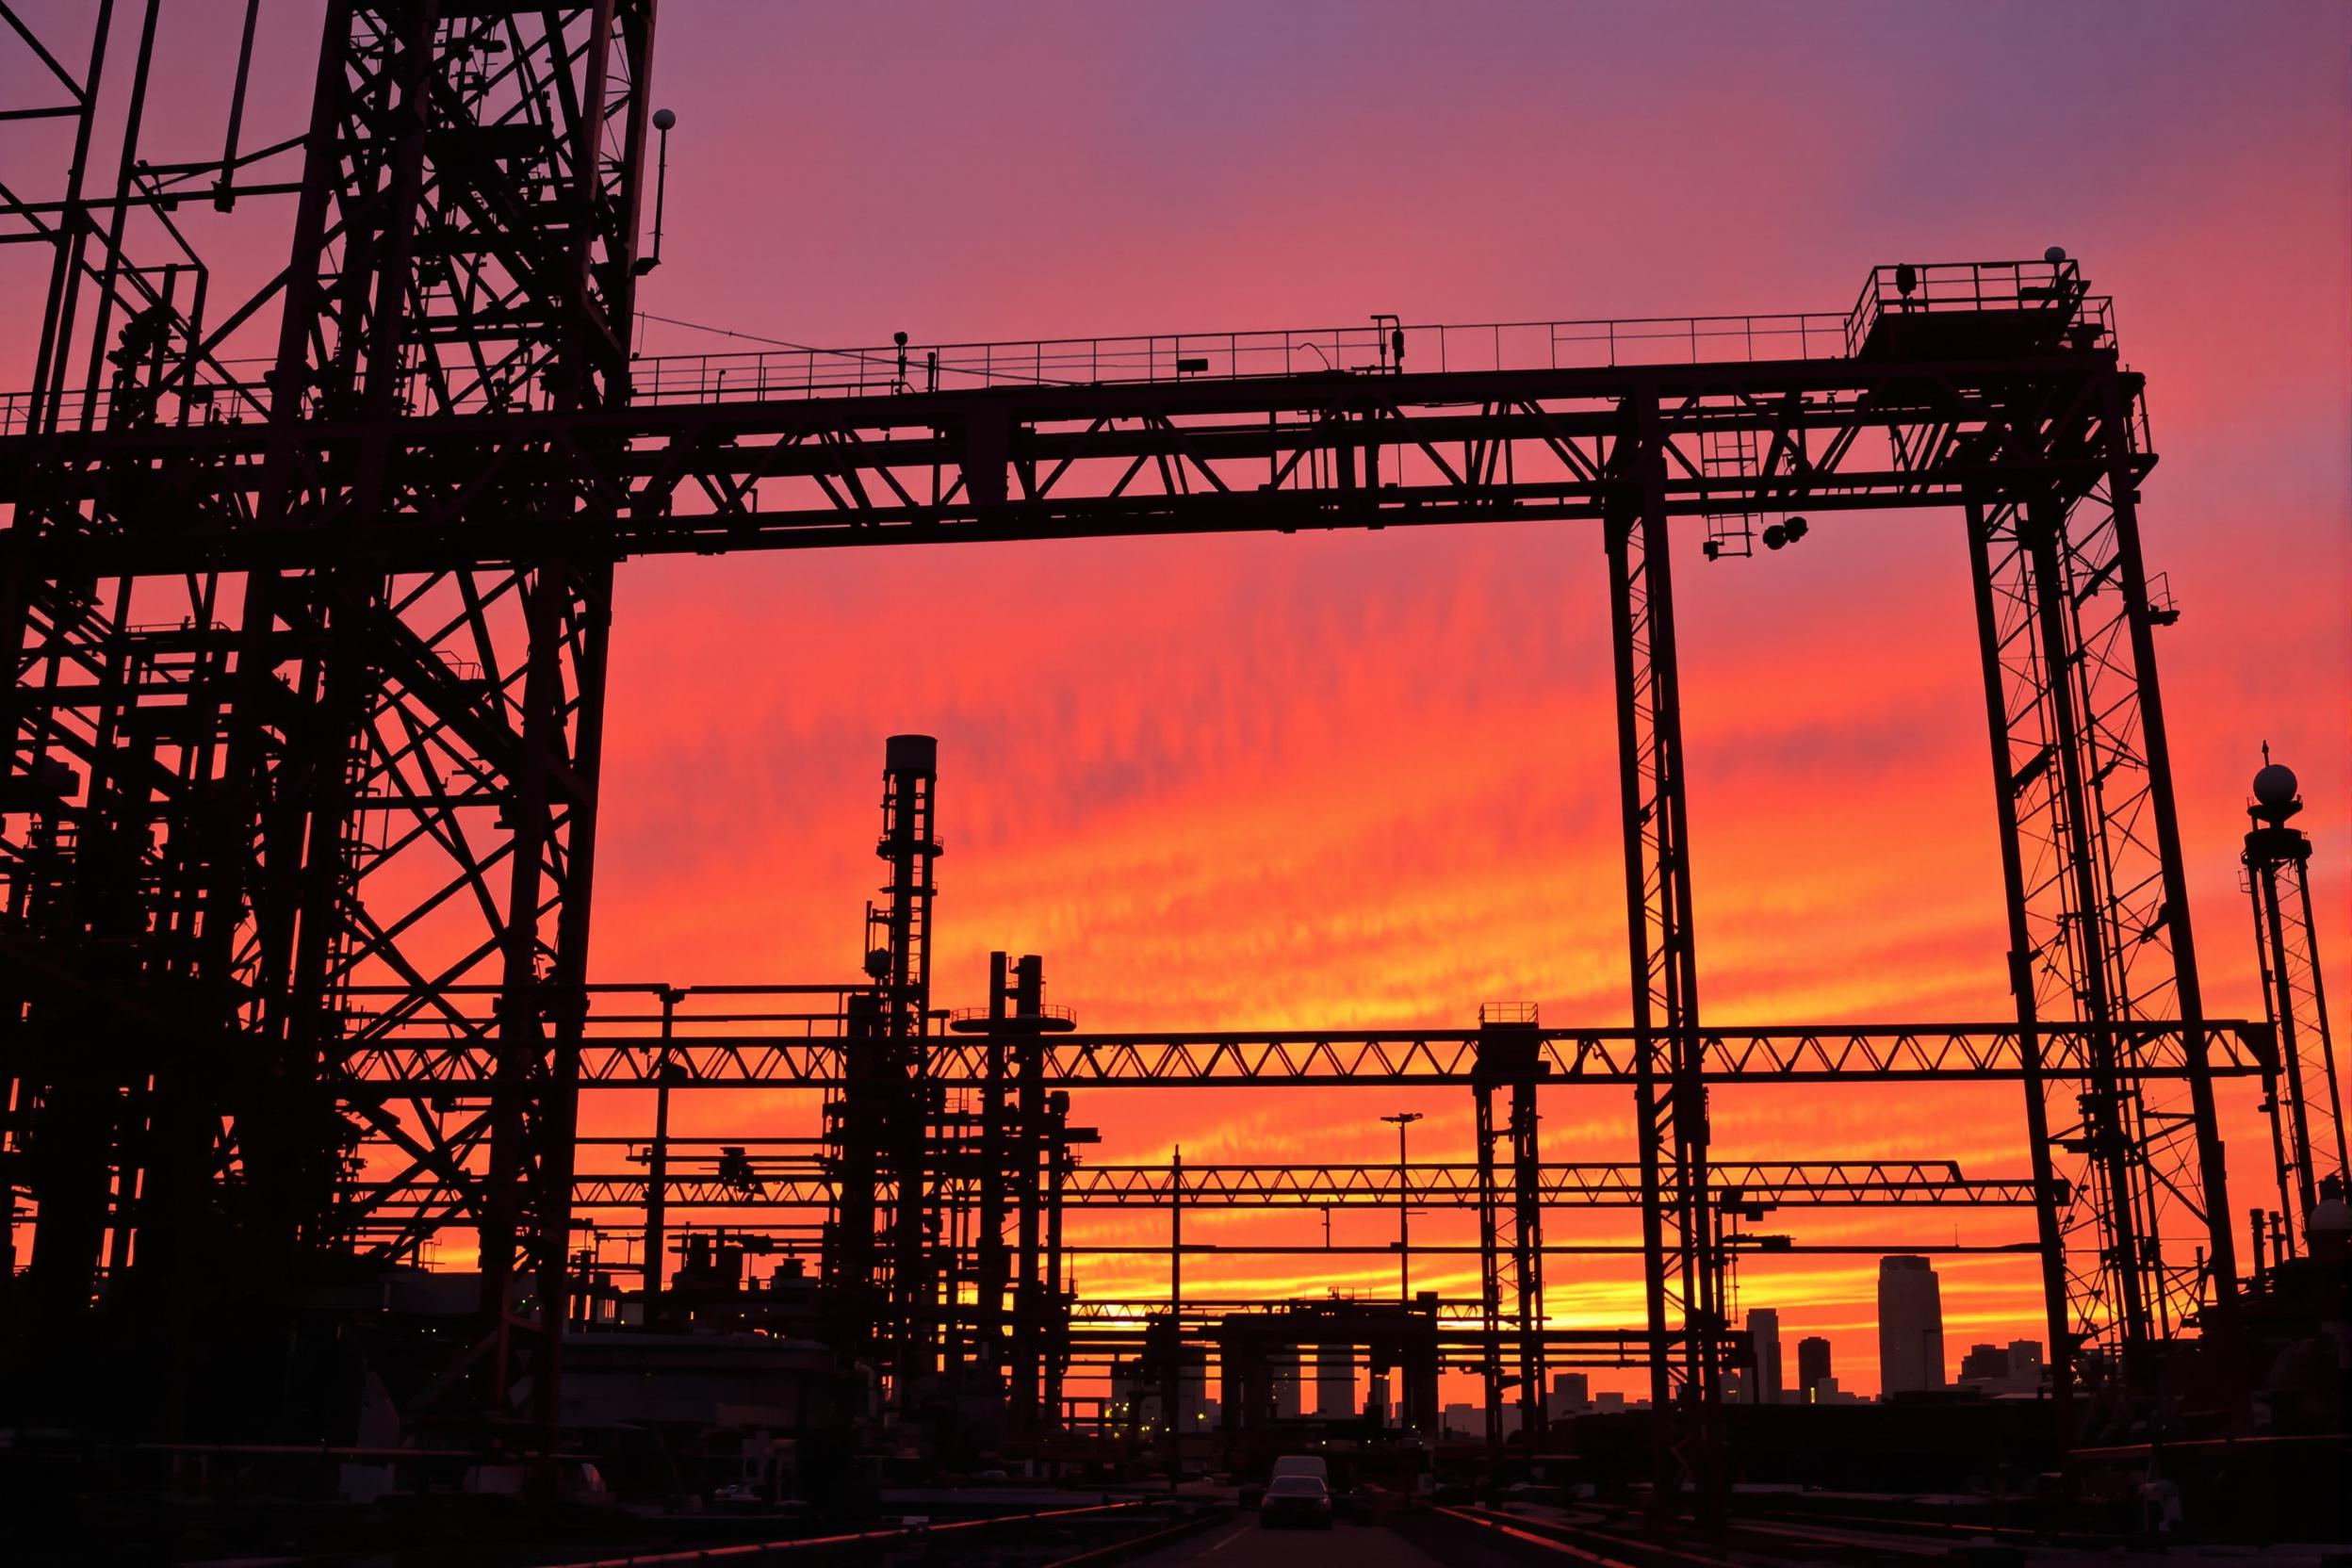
1404	1257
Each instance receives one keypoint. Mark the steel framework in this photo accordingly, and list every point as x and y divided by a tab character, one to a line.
447	1052
2305	1100
695	1182
306	718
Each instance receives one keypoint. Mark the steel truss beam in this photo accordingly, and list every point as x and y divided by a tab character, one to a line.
1863	1184
1274	455
446	1055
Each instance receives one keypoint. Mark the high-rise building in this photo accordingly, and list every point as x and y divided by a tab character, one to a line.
1131	1397
1335	1382
2025	1365
1287	1383
1910	1326
1812	1364
1764	1333
1571	1392
1376	1402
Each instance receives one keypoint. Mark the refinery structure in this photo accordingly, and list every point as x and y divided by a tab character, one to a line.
312	597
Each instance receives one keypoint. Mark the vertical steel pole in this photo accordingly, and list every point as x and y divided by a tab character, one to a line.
988	1337
1527	1236
2041	526
1490	1261
1663	958
658	1159
2047	1197
2326	1040
1404	1206
2220	1314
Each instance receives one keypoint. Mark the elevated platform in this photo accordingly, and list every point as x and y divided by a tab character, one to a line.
1977	310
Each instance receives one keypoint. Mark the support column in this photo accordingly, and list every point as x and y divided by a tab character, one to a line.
987	1348
1527	1236
657	1160
2052	1195
1492	1252
2099	931
2117	403
1054	1311
1671	1099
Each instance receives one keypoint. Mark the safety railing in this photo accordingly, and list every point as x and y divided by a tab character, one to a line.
2053	285
1373	348
1051	1017
638	1012
1377	346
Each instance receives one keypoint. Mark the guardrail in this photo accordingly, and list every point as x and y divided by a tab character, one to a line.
2054	285
1381	346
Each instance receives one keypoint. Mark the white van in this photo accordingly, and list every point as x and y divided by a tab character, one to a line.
1303	1465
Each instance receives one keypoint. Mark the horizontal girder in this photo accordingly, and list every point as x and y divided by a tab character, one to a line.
1304	1058
1775	1184
1280	453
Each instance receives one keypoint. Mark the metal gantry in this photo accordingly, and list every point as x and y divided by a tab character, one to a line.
291	777
306	724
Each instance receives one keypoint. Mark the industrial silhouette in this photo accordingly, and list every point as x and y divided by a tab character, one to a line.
301	824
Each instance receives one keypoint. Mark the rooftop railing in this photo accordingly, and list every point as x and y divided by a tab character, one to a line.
1379	347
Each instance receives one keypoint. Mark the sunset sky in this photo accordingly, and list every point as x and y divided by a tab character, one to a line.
1369	779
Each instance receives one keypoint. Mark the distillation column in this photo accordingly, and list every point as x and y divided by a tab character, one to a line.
883	1250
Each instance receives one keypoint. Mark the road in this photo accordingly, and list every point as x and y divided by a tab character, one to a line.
1243	1544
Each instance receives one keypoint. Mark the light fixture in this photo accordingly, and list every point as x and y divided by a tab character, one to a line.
662	120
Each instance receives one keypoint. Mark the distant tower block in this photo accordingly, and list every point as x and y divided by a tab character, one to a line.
1812	1366
1335	1382
2306	1105
1764	1330
1910	1326
1287	1383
